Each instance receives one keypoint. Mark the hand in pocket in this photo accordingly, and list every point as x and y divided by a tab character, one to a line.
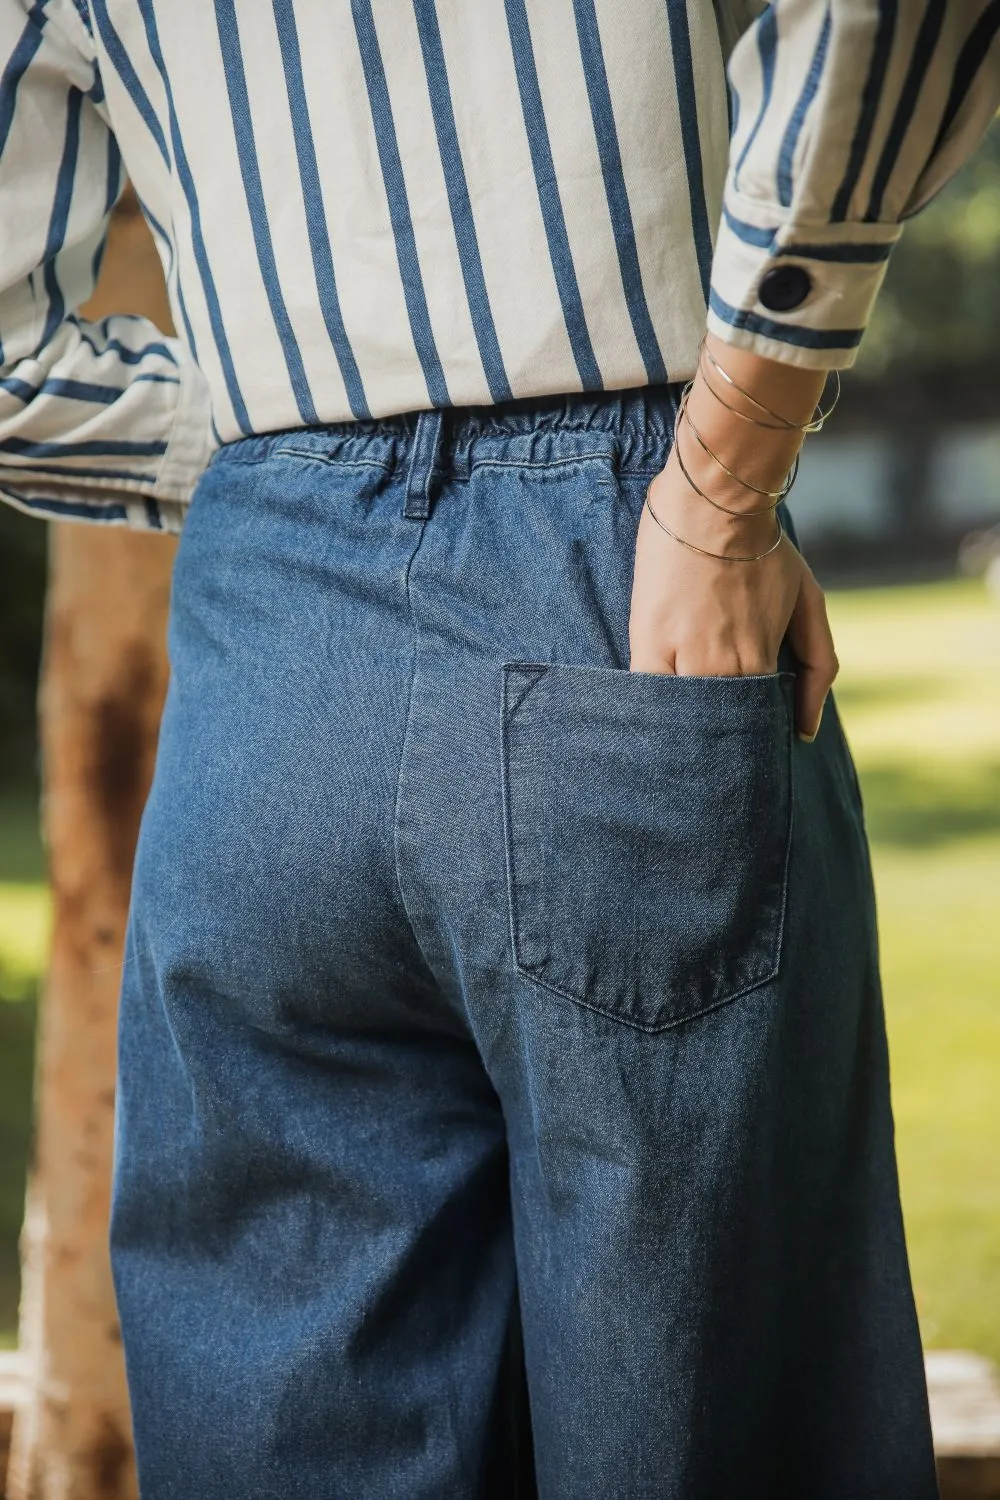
699	616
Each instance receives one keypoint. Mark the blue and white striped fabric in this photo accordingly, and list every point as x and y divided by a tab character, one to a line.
849	116
365	207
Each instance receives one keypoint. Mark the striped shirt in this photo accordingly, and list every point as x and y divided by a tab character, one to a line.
365	207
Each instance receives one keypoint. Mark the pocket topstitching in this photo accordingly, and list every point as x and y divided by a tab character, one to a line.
648	826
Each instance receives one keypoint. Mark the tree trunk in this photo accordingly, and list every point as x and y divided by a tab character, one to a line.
103	679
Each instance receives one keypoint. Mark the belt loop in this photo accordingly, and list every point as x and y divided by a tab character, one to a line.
418	480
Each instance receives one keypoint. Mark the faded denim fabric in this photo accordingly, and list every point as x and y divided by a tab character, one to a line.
498	1026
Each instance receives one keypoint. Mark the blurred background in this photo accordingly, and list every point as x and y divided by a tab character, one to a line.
898	506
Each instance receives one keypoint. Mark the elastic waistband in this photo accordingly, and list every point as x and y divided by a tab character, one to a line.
635	427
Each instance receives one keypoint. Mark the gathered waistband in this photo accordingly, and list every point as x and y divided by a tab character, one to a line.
634	426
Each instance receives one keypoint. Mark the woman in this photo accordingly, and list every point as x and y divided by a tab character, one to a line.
501	997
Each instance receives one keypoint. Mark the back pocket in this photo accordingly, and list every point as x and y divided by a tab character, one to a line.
648	824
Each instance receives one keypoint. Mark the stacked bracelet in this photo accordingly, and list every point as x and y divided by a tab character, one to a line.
722	556
780	423
774	497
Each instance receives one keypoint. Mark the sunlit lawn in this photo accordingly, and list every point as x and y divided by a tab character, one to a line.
23	934
920	694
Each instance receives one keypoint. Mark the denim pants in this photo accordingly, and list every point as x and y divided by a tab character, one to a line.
503	1092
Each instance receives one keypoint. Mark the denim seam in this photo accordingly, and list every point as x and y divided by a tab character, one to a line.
625	471
397	801
510	463
264	445
227	461
506	719
334	462
620	1020
437	471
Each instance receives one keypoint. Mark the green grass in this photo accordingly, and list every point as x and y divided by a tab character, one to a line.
17	1028
920	696
24	924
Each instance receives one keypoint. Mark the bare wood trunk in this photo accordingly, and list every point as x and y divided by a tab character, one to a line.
103	681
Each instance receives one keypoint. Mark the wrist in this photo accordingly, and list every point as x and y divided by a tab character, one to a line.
698	522
746	482
789	391
741	464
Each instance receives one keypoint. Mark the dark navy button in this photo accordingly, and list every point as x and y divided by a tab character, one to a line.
784	288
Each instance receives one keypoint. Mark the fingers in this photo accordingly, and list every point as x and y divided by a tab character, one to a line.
811	639
645	657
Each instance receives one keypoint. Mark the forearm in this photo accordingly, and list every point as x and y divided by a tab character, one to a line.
736	426
736	441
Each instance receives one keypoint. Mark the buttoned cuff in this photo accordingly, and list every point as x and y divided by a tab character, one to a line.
794	292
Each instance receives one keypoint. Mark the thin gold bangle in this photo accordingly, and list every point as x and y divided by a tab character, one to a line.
816	426
719	556
775	496
780	423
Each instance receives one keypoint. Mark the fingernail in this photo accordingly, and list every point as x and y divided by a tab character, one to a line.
807	739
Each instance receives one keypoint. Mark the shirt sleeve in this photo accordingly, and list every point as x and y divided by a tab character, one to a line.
847	118
105	421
